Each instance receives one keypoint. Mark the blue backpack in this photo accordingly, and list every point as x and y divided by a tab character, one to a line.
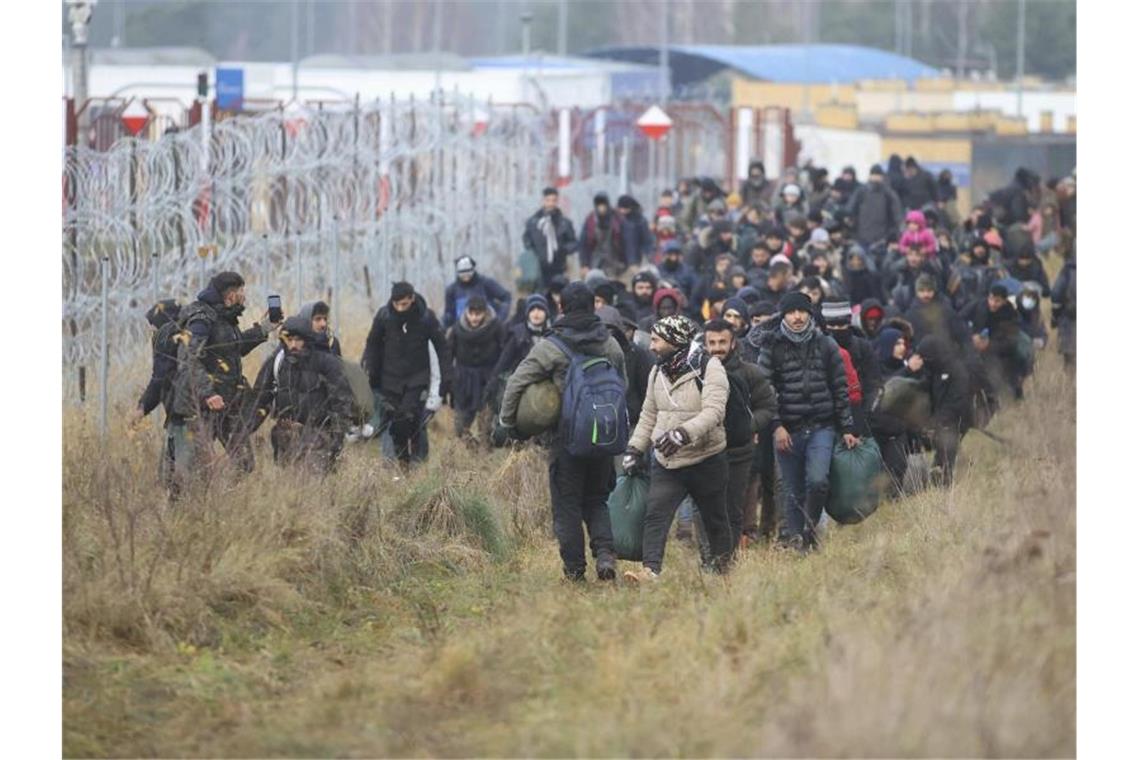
594	421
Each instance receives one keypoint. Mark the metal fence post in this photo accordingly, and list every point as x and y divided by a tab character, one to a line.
336	294
104	352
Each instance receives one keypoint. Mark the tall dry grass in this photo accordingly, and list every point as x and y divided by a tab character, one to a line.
362	615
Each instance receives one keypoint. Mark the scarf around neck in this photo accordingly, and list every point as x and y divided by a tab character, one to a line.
798	337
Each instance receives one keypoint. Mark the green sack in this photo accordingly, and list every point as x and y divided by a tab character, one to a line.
627	505
361	391
528	273
539	408
905	399
855	483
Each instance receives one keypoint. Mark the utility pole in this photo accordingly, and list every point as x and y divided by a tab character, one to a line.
1020	52
79	15
294	40
563	21
963	45
663	88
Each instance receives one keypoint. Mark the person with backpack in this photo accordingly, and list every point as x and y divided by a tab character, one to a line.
682	421
212	399
748	415
399	365
810	378
163	317
587	366
947	381
305	390
317	313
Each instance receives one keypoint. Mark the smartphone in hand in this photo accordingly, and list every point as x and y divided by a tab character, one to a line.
275	313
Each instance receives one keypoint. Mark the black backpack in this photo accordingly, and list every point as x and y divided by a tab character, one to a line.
738	419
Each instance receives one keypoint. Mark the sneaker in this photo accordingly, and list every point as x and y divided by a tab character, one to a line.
644	575
607	573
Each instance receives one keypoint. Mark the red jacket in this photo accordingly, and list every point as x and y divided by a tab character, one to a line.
854	387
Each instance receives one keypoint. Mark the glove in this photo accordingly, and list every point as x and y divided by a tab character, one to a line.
501	434
631	461
672	442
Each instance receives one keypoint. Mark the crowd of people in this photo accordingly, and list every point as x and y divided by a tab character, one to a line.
726	346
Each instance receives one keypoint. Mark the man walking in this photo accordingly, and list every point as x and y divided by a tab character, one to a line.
579	485
549	237
805	367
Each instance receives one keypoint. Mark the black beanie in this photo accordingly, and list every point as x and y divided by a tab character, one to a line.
401	290
607	292
795	301
577	298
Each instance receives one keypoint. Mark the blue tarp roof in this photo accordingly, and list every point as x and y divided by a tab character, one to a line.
817	64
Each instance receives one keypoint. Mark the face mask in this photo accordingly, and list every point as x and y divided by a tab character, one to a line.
1028	304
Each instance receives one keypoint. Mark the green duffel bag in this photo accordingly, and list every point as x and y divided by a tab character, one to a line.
905	399
856	485
539	408
627	504
361	391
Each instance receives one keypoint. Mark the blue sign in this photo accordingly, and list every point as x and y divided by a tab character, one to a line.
229	88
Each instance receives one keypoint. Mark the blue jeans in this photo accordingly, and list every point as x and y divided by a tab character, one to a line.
804	471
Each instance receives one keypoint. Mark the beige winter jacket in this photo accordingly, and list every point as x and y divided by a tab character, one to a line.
683	404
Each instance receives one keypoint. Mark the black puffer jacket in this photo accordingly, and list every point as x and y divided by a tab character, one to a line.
809	378
308	387
396	351
210	361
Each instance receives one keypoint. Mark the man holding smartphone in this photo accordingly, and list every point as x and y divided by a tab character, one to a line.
210	391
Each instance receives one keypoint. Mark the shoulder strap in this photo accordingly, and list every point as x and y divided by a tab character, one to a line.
561	346
277	360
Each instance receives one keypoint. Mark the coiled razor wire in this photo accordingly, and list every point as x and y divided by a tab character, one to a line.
330	204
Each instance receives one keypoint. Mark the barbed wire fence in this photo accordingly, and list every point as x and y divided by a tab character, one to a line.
332	204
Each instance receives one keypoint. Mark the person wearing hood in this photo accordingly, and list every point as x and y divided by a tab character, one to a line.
837	323
212	399
579	486
996	330
895	174
791	201
876	210
601	239
304	389
756	190
975	273
475	342
860	279
554	295
674	272
918	233
549	237
468	284
871	316
892	348
637	239
948	199
846	184
1027	267
644	285
317	313
163	317
1011	204
918	188
638	359
666	303
1029	310
947	382
722	342
398	363
681	429
810	379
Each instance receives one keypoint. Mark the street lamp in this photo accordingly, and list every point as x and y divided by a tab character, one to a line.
79	15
